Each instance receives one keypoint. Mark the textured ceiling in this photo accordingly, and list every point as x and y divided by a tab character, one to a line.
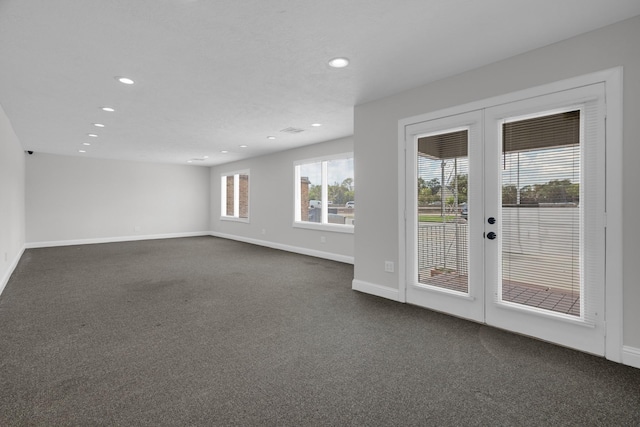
212	75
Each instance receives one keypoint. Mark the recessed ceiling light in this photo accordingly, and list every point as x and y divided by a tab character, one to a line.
316	125
339	62
98	125
224	151
271	137
81	151
243	146
205	157
86	143
92	135
125	80
189	161
109	109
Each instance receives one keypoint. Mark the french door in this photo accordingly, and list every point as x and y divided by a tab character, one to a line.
505	216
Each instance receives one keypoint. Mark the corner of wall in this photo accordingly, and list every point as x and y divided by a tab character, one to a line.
5	279
377	290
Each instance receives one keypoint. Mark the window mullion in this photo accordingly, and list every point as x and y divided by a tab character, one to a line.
236	196
223	195
297	196
325	193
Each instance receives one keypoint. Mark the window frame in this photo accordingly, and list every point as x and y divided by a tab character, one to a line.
324	225
236	197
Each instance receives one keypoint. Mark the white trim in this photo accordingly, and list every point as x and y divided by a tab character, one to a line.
236	196
235	219
324	196
402	211
377	290
335	228
608	76
631	356
295	249
12	267
612	78
54	243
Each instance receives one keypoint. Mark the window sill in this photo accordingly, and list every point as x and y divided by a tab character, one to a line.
335	228
234	219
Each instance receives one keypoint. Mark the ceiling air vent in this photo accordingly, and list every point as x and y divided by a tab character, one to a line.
292	130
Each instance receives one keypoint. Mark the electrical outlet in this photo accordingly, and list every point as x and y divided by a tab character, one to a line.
388	266
323	239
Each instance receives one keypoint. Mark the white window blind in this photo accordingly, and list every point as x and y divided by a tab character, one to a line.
542	211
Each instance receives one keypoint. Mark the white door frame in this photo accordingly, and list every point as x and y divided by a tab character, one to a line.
469	306
612	78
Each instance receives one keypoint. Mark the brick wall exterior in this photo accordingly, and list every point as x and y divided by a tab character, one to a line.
304	198
244	196
230	195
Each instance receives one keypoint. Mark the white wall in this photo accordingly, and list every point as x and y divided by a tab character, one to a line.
83	200
376	144
271	186
12	196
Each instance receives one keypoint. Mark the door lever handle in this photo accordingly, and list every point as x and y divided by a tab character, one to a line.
491	235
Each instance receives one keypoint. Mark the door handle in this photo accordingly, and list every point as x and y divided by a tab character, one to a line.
491	220
491	235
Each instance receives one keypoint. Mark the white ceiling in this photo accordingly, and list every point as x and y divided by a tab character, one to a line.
212	75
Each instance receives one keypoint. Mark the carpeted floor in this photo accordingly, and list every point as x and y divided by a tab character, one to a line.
212	332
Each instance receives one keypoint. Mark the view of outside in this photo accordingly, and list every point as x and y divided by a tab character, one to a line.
443	171
541	213
340	191
540	218
235	196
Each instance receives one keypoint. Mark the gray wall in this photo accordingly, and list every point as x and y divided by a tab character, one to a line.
271	186
12	199
74	199
376	125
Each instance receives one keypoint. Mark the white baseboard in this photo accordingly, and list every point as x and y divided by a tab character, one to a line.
12	267
31	245
295	249
377	290
631	356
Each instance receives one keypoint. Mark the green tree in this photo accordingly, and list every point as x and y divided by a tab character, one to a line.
341	193
554	191
315	192
463	185
424	196
509	194
434	185
557	191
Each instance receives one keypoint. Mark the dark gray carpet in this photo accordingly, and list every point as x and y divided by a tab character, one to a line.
206	331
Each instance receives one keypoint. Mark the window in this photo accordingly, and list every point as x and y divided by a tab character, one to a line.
325	193
234	196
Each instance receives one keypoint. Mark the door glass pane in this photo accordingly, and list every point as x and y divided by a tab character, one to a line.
443	170
541	212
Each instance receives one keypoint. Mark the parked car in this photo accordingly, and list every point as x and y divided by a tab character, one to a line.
464	212
315	204
350	204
